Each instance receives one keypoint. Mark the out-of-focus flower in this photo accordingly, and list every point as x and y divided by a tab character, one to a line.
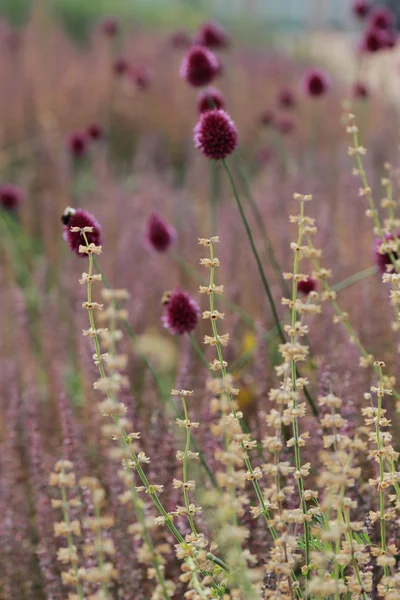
316	83
286	98
72	218
159	350
199	67
308	286
77	143
360	90
95	132
120	66
11	197
110	26
373	40
181	313
263	156
215	134
212	35
361	8
180	39
384	259
142	77
285	124
381	17
209	99
159	234
267	117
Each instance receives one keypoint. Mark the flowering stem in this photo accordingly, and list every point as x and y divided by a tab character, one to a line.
261	271
381	468
185	467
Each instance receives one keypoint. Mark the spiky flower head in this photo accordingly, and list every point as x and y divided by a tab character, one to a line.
360	90
212	35
11	197
78	217
383	259
215	134
316	83
361	8
286	97
181	313
199	67
308	286
110	26
95	132
209	99
77	143
159	235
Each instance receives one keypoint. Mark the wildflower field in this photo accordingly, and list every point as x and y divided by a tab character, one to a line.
200	312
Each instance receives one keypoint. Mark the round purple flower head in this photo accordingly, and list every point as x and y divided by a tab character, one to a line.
316	83
159	235
382	18
215	134
384	259
77	143
361	8
360	90
210	99
11	197
373	40
181	313
110	26
212	35
95	132
306	287
80	218
286	98
199	67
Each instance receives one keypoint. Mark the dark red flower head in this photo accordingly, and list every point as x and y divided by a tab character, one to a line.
306	287
360	90
316	83
80	218
77	143
382	18
286	97
285	124
181	313
159	234
215	134
267	118
110	26
373	40
210	99
120	66
11	196
180	39
95	132
142	77
212	35
361	8
384	259
199	67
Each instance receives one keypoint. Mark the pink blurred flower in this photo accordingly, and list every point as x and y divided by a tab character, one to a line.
159	234
181	313
95	132
263	156
267	117
120	66
11	197
209	99
384	259
80	218
285	124
361	8
199	67
316	83
110	26
142	77
180	39
306	287
215	134
286	97
360	90
212	35
77	143
381	17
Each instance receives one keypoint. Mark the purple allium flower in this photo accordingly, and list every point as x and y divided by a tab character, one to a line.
285	124
373	40
199	67
212	35
159	235
215	134
77	142
361	8
11	196
181	313
180	39
267	118
142	77
120	66
80	218
381	18
209	99
360	90
286	97
384	259
95	132
316	83
110	26
306	287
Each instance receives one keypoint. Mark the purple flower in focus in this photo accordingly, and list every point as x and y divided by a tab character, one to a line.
316	83
110	26
383	259
209	99
159	235
286	98
11	197
215	134
199	67
77	143
80	218
306	287
181	313
361	8
212	35
95	132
